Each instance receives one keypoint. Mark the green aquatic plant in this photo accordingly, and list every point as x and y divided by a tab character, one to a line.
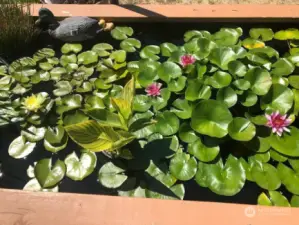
220	109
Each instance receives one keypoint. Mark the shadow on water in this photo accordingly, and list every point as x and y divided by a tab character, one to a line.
14	171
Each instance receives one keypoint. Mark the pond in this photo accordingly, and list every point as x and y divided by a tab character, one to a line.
272	86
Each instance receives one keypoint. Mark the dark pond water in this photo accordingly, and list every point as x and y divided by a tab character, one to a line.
14	171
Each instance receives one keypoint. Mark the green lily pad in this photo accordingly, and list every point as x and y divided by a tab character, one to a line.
141	103
119	56
278	98
20	148
167	48
237	68
211	117
222	57
62	88
266	176
34	134
294	81
183	167
296	101
161	102
33	185
150	52
94	102
78	169
45	66
111	176
248	99
227	180
57	73
168	71
147	77
178	192
71	48
197	90
260	80
102	49
219	79
121	33
258	144
47	175
227	36
55	139
67	59
177	85
68	103
203	152
189	35
295	201
261	157
136	193
289	34
275	199
167	123
251	43
241	129
43	53
182	108
228	96
282	67
186	134
277	156
130	44
289	178
265	34
87	58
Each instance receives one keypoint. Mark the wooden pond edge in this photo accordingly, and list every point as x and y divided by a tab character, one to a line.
159	13
41	208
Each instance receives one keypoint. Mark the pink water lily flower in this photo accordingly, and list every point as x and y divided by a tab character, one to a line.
187	60
153	89
278	122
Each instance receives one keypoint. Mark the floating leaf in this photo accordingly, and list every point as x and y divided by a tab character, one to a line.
277	156
87	58
150	52
196	34
62	88
102	49
167	123
161	102
275	199
111	176
141	103
78	169
20	148
266	176
186	133
228	96
57	73
289	34
147	77
241	129
73	118
121	33
55	139
211	117
197	90
282	67
251	43
278	98
168	71
222	57
266	34
167	49
183	167
248	99
237	68
33	185
227	36
130	44
203	152
43	53
289	178
219	79
68	59
177	85
69	48
34	134
260	80
119	56
295	201
68	103
182	108
47	175
294	81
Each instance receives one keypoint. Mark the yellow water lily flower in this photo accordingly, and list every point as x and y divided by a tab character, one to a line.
34	102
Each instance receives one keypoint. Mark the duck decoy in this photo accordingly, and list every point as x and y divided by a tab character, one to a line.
71	29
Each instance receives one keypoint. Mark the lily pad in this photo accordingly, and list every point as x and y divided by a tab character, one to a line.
260	80
211	117
248	99
295	201
55	139
237	68
111	176
275	199
78	169
197	90
266	176
150	52
289	178
228	96
265	34
34	134
62	88
227	36
49	175
75	117
57	73
182	108
119	56
68	59
277	156
242	84
222	57
189	35
177	85
219	79
168	71
33	185
282	67
241	129
186	133
167	48
20	148
87	58
161	102
43	53
203	152
289	34
130	44
294	81
121	33
71	48
251	43
183	167
167	123
68	103
278	98
102	49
